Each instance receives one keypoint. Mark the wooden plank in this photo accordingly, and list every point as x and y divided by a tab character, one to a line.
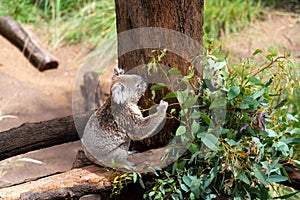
73	183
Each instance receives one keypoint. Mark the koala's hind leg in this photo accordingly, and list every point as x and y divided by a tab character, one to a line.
118	158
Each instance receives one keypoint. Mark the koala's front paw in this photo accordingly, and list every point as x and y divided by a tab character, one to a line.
162	107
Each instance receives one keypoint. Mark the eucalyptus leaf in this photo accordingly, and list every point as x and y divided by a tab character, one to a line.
257	51
291	141
180	130
277	178
258	93
233	92
170	95
210	141
158	86
271	133
295	131
218	103
206	118
174	70
242	176
287	196
255	80
291	117
190	102
193	148
243	105
261	177
195	126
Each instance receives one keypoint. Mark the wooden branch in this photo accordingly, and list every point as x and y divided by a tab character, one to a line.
33	136
26	42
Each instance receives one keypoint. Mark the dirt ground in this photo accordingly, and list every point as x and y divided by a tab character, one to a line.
34	96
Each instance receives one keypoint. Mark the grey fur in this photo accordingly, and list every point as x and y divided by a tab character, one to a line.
110	129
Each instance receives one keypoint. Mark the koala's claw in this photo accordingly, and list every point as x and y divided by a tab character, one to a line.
162	108
163	103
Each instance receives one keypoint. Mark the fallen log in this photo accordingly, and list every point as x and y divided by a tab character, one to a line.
27	43
34	136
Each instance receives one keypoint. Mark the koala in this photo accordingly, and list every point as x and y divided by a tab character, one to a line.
107	135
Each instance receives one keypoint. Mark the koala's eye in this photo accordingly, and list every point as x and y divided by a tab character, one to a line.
138	85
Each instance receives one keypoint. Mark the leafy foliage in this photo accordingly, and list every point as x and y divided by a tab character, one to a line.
251	151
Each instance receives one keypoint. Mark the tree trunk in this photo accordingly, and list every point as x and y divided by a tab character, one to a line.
146	25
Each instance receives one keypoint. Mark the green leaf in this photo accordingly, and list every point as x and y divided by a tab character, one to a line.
190	102
269	82
232	143
151	193
187	180
193	148
277	178
287	196
255	80
269	57
210	141
295	131
291	117
242	176
183	187
142	183
291	141
195	126
243	105
261	177
257	51
233	92
271	133
170	95
158	86
273	52
195	115
189	76
180	130
174	70
258	93
206	118
218	103
134	177
182	95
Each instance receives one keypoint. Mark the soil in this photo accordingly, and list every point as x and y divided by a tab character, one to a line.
34	96
278	31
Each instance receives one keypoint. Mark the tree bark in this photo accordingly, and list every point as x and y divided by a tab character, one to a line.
27	43
183	16
146	25
34	136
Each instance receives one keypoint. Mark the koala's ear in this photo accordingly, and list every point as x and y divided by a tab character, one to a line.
117	93
117	71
